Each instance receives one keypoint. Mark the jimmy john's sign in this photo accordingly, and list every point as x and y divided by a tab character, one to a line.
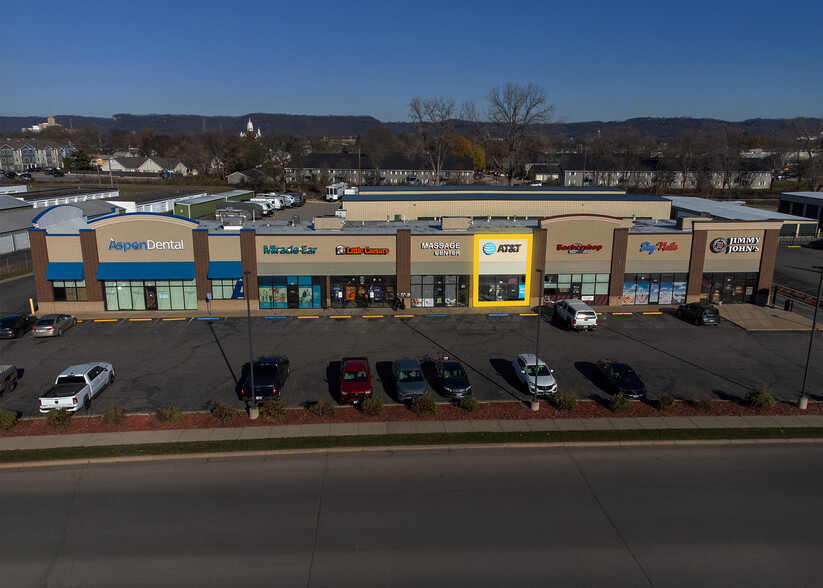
728	245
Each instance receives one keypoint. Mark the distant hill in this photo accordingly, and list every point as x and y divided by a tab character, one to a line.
348	126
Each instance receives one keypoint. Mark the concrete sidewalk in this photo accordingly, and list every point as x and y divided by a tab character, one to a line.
400	428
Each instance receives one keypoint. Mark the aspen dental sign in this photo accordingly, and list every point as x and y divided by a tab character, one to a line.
148	244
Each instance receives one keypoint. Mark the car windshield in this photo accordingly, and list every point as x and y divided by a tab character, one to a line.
623	371
453	373
410	376
359	376
542	370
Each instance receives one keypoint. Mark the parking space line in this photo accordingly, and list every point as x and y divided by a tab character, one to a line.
139	320
623	313
309	317
274	317
106	320
652	313
340	316
182	318
528	314
437	315
403	316
499	314
372	316
208	318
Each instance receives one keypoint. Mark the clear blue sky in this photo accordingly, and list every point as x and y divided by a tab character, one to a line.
597	60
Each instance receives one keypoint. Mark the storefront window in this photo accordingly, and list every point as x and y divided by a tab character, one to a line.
439	291
231	289
501	287
591	288
151	295
730	288
291	291
654	288
69	290
363	291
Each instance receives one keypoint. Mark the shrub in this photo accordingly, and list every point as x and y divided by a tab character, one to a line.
57	419
168	414
468	403
323	409
565	400
618	403
665	403
760	400
704	404
372	407
223	413
273	410
115	416
423	404
8	419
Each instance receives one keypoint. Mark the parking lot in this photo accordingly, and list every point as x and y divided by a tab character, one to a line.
190	363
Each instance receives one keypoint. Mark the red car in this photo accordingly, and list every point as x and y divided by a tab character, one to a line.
355	380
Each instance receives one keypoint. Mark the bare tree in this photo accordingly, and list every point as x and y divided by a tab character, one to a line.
514	112
378	142
435	119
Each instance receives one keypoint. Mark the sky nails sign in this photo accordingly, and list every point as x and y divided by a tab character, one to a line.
346	250
651	248
578	247
735	245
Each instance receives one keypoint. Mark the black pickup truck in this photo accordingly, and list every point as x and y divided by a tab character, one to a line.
270	374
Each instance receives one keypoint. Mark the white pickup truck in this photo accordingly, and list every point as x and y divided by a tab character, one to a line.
76	386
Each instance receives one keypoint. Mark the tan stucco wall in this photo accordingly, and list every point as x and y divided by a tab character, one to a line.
224	247
141	228
325	260
64	248
664	257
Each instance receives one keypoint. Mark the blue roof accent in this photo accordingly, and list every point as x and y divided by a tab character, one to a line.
514	195
130	214
147	270
225	270
65	271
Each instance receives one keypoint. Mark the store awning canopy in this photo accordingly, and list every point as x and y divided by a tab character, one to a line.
65	271
170	270
225	270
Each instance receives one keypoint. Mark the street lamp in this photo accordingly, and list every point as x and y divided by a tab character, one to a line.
253	407
535	402
804	401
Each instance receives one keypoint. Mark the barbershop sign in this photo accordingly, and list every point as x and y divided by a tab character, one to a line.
651	248
578	247
735	245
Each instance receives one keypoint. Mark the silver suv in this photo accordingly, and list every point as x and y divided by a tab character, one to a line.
575	314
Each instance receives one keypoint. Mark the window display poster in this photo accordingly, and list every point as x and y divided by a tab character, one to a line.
306	297
665	296
337	292
316	297
377	293
654	292
641	295
679	293
280	295
350	293
628	292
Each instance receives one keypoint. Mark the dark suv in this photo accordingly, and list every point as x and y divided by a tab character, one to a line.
699	313
270	374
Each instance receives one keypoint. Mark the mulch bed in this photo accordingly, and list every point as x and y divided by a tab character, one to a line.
586	409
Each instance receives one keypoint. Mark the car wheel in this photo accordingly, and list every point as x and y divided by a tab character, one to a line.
111	378
87	403
679	313
697	322
11	385
568	324
60	332
73	322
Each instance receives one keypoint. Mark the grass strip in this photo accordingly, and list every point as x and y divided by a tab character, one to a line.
354	441
16	273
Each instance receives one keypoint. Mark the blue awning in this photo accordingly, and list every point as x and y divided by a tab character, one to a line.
169	270
65	271
220	270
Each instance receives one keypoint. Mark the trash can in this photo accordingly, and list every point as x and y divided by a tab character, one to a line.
788	305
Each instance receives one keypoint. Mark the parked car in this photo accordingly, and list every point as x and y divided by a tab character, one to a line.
575	314
816	244
408	379
24	176
10	175
535	183
620	378
77	385
355	380
452	378
270	374
8	378
524	369
699	313
58	173
16	325
53	325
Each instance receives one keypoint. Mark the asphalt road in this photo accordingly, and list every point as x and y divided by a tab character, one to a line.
179	363
688	516
795	268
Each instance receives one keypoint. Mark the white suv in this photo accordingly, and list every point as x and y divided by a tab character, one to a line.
575	314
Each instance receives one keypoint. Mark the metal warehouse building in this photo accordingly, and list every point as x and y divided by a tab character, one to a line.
805	204
481	202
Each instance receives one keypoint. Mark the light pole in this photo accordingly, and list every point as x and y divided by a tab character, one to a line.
252	407
804	401
535	401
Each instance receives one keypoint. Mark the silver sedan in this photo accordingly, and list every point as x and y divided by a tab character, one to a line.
53	325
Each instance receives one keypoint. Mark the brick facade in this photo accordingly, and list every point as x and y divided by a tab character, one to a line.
620	244
88	245
403	260
40	263
768	256
539	241
696	262
248	254
200	239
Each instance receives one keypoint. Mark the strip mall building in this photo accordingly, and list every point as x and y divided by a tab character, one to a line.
589	248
